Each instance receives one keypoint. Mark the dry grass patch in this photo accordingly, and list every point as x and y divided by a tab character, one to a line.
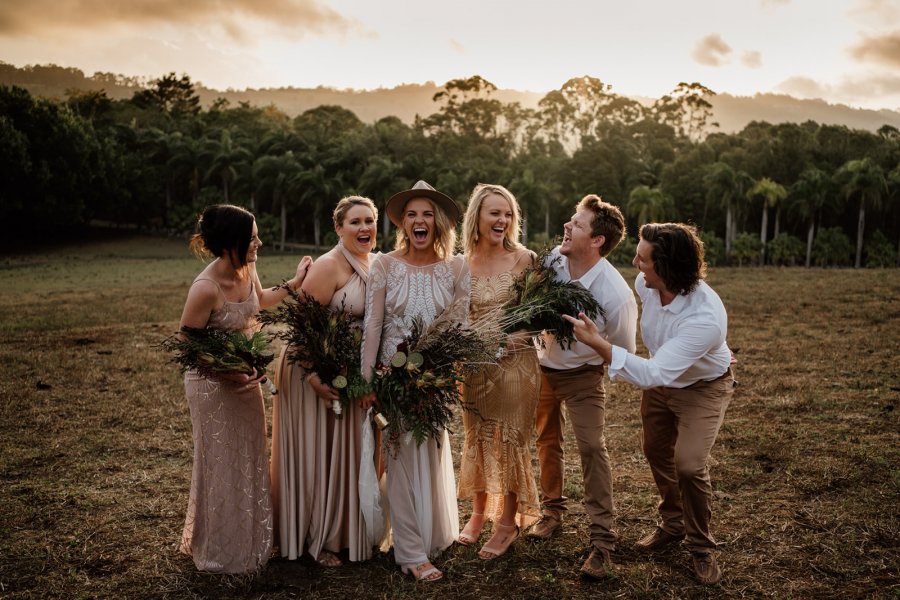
96	448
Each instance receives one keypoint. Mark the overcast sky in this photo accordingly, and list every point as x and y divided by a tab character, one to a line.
843	51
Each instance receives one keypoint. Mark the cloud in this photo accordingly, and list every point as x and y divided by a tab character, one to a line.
876	11
851	89
711	50
752	59
291	17
884	49
804	87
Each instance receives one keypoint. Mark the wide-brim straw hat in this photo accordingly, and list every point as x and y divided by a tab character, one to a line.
397	202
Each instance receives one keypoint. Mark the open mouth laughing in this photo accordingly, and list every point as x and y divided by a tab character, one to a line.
420	233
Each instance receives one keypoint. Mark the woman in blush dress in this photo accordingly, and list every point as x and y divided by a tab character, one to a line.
315	457
228	527
495	470
421	278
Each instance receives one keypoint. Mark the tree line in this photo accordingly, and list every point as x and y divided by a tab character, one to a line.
783	194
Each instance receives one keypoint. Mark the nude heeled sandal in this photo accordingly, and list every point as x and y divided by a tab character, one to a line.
498	551
467	537
421	573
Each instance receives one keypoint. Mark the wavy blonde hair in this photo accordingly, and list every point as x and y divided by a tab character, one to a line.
444	232
473	210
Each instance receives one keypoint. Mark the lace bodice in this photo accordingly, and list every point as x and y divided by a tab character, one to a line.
489	292
398	292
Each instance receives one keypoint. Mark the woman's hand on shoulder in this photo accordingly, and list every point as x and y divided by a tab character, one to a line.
302	271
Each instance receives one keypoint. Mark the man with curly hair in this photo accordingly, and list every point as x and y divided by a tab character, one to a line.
687	384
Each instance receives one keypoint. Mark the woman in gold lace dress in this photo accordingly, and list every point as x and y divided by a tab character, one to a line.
496	463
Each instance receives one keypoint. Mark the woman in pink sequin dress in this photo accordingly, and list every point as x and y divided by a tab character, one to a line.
228	527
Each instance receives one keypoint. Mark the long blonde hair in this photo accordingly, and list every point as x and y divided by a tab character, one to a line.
444	233
470	221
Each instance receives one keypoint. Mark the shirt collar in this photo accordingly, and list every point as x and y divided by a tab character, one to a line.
586	280
677	305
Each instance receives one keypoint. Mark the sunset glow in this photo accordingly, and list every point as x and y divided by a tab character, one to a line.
841	51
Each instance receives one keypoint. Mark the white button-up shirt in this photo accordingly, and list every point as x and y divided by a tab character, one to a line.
686	340
611	290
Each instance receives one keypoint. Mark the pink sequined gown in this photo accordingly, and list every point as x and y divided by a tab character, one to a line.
228	527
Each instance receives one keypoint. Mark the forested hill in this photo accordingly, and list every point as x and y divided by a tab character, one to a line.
732	113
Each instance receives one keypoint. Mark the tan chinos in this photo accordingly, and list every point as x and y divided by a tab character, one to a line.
584	394
680	426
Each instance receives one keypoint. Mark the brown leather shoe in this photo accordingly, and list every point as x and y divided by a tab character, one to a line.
656	541
706	568
598	565
544	529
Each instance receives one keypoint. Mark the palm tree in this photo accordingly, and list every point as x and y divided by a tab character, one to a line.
727	186
808	196
381	178
281	177
649	205
227	157
316	185
187	160
771	194
893	197
864	179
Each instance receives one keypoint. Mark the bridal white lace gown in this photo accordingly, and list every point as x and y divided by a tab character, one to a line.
420	481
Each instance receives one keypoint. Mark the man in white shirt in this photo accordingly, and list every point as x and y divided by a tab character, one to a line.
575	376
687	383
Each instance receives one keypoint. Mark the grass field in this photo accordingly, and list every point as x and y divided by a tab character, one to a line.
95	447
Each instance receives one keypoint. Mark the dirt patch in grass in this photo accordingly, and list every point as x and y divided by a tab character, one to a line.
95	450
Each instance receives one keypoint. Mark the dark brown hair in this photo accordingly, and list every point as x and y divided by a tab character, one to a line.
224	229
677	255
607	221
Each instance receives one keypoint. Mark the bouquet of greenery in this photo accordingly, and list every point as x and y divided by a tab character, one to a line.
539	299
210	351
322	340
419	386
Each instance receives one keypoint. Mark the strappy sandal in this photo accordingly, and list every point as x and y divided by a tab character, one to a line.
470	534
329	559
424	572
499	550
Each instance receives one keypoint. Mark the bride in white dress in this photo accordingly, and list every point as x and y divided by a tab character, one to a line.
420	278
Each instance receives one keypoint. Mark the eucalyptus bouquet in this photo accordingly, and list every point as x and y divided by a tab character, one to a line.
211	351
323	340
419	386
539	299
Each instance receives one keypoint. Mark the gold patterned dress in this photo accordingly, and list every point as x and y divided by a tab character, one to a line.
501	402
